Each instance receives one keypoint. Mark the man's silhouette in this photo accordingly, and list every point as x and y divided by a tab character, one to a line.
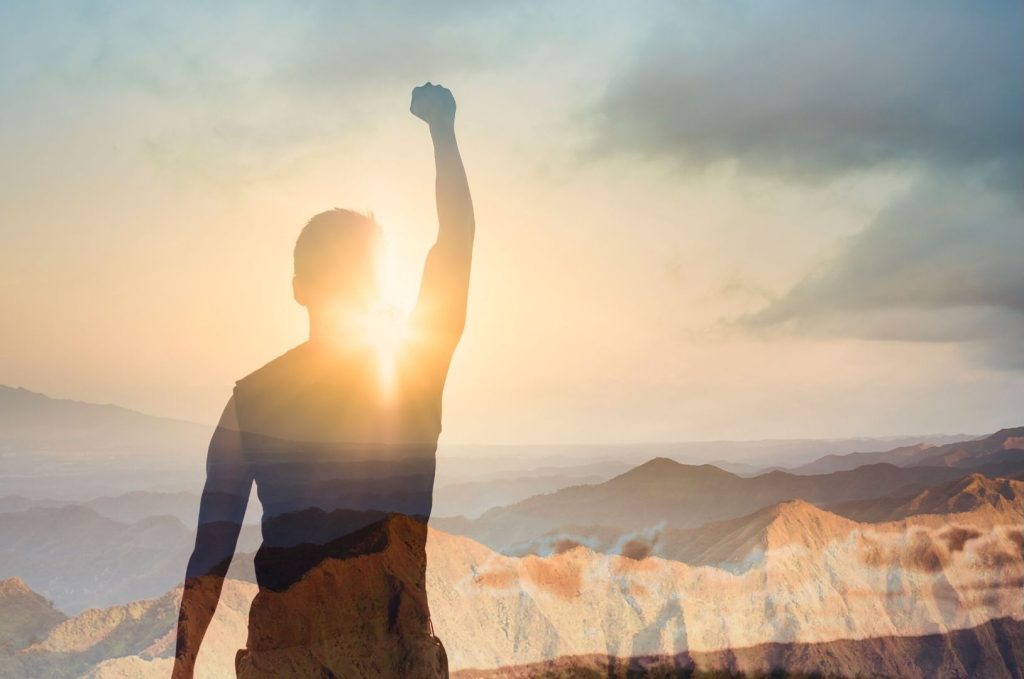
342	454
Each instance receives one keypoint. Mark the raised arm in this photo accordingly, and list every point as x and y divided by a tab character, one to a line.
221	512
440	313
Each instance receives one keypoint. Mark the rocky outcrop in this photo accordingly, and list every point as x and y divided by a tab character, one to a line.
25	617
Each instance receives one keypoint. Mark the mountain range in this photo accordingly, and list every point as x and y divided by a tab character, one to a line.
69	550
33	422
926	595
665	493
1002	446
81	559
907	562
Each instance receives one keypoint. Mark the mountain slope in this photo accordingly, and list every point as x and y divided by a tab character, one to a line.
962	495
25	617
1004	445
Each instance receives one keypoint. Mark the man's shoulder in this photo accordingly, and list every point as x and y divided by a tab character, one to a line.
283	367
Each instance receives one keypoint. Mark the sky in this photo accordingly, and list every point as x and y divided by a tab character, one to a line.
695	220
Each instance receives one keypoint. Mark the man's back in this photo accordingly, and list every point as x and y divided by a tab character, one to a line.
332	449
339	438
344	468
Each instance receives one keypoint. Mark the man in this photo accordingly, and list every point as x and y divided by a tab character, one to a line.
342	453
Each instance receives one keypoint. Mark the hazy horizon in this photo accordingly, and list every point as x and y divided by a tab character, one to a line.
574	444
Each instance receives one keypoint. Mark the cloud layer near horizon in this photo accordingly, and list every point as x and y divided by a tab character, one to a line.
942	264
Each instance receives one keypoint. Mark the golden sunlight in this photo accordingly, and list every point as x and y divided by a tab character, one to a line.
384	329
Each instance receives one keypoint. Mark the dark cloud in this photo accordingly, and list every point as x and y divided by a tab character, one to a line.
942	264
816	88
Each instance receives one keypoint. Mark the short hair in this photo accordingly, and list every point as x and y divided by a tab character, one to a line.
332	226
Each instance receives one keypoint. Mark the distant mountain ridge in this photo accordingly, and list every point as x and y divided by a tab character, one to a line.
81	559
665	495
34	422
1002	446
130	507
662	491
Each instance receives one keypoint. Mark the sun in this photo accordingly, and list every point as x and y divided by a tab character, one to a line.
385	329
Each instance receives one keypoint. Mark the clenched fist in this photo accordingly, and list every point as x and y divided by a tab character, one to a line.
435	105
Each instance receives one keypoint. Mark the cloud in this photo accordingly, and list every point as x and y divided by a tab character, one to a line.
816	89
219	90
942	264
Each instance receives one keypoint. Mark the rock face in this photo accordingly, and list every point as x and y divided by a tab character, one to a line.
811	577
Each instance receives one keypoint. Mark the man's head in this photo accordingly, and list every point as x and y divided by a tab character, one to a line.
336	262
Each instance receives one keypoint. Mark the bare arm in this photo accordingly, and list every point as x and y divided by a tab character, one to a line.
221	512
441	309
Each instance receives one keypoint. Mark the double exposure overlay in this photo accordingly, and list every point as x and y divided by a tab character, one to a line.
716	372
